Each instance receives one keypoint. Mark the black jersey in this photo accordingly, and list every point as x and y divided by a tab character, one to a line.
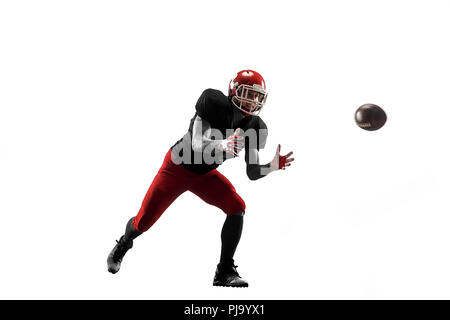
214	107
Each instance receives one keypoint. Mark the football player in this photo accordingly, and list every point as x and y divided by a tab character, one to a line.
221	127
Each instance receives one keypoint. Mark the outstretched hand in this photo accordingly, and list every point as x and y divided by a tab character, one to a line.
233	144
281	162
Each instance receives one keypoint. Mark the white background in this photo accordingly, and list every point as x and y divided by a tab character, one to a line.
93	93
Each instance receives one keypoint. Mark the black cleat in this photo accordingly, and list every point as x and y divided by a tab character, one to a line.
118	252
227	276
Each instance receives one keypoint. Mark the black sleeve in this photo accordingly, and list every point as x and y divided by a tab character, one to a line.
254	171
206	106
263	133
256	134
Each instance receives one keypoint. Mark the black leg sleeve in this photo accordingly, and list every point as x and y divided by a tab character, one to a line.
231	234
130	232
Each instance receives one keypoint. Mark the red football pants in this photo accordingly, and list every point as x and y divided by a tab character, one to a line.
172	180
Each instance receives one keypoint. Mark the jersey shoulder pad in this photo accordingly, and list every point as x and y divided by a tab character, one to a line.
210	105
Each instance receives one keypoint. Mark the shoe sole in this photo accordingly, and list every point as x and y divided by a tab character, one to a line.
230	286
112	271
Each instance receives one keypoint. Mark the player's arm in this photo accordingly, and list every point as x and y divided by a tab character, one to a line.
256	171
201	138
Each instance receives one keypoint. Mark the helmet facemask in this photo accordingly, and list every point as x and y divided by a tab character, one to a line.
249	99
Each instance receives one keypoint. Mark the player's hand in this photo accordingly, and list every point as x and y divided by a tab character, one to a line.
281	162
233	144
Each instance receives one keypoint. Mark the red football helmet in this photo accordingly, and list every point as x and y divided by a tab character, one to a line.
248	91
